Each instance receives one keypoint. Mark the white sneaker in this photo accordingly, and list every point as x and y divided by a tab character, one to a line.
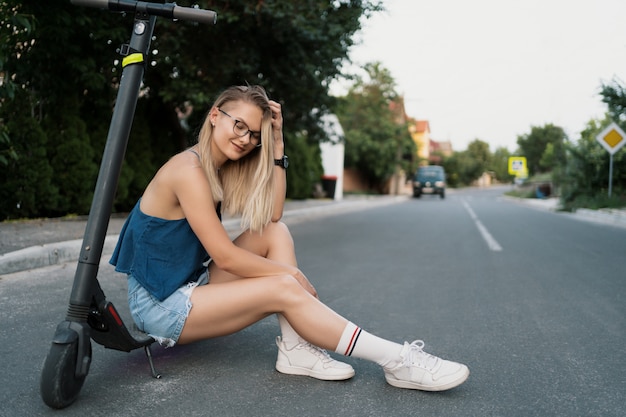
309	360
420	370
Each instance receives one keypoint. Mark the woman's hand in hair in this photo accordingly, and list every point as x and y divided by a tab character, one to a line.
277	127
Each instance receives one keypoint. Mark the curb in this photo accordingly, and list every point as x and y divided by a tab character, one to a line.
549	204
609	216
614	217
68	251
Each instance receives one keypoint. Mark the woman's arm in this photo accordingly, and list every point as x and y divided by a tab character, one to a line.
194	196
280	174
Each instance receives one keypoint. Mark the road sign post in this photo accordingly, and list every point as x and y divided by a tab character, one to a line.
612	139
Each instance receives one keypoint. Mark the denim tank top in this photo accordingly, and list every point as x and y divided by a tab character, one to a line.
160	254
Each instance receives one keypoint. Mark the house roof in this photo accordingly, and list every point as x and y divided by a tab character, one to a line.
422	126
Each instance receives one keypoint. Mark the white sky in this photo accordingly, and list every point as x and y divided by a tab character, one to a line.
491	69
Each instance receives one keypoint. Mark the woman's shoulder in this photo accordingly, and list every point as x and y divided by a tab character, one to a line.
180	173
188	157
184	173
181	164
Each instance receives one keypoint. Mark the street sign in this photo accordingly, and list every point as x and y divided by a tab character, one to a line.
518	166
612	138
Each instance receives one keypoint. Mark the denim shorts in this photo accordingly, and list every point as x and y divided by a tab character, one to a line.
163	320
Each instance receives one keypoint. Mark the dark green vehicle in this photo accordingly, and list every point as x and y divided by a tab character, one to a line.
429	180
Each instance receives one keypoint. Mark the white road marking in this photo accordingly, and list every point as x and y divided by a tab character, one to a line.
491	242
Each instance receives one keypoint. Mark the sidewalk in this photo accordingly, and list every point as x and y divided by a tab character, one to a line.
30	244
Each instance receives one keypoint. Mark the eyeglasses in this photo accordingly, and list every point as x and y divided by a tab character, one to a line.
241	129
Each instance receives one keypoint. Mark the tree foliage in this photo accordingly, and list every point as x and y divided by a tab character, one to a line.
586	173
465	167
533	145
500	165
376	136
614	95
61	61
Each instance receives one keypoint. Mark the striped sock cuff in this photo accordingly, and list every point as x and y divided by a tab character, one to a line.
348	339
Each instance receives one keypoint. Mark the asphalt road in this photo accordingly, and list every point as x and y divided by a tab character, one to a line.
532	301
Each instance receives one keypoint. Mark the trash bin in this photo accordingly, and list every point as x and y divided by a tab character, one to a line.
329	182
543	190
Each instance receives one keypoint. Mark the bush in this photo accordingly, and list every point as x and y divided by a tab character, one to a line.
597	201
305	167
72	162
27	189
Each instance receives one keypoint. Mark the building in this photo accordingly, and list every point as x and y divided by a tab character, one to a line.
438	150
420	132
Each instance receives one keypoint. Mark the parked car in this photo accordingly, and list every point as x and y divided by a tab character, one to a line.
429	180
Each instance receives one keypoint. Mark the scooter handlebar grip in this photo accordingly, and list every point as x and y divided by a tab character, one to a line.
194	15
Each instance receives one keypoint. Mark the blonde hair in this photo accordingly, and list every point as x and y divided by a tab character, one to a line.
245	187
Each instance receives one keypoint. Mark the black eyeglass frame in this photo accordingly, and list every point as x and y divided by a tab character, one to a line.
248	131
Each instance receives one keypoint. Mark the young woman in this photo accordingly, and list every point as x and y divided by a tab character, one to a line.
239	166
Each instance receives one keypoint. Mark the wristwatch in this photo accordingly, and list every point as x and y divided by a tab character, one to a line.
282	162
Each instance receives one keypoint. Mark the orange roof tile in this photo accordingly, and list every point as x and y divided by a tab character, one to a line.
422	126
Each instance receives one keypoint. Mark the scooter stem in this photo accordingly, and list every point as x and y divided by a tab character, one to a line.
110	168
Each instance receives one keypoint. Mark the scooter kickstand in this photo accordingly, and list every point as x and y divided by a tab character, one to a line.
155	374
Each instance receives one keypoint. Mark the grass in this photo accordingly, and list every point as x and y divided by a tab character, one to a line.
596	202
522	192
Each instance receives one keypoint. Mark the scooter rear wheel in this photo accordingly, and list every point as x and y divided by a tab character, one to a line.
59	384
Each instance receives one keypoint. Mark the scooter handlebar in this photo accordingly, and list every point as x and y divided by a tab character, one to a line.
168	10
194	15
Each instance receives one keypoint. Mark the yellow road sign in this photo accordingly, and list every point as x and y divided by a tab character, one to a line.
612	138
518	167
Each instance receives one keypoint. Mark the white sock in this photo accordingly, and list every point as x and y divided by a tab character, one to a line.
361	344
289	335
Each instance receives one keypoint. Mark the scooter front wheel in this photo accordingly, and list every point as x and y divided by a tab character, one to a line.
59	384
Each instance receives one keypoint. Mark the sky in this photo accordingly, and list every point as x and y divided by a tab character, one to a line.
492	69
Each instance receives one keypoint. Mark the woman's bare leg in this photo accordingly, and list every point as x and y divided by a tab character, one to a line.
225	308
274	243
230	303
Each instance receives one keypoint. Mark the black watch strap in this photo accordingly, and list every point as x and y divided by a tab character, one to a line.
282	162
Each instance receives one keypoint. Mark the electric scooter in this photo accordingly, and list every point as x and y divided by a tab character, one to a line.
90	315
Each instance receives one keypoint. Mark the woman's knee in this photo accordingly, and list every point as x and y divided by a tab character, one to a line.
288	290
278	230
279	237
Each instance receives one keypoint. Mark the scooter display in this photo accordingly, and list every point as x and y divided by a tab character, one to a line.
90	315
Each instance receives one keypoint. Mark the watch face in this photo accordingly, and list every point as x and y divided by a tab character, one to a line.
285	161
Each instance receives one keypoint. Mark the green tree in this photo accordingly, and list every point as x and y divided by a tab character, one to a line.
72	161
51	60
586	175
614	95
534	144
306	156
15	29
57	53
464	167
376	141
26	182
478	151
451	166
500	165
